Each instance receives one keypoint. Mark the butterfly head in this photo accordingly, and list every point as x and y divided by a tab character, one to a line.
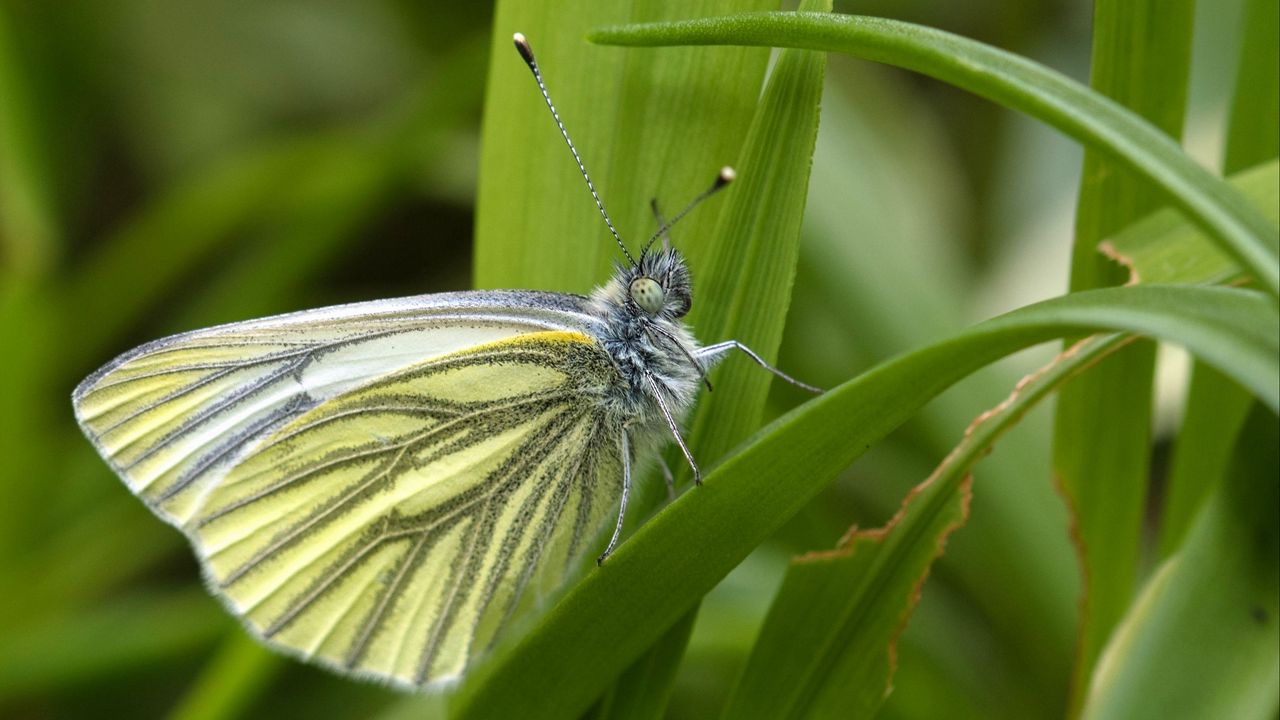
659	284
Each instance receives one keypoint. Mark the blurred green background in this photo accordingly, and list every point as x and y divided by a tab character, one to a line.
165	166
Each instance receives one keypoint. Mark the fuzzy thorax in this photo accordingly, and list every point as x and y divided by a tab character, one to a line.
647	344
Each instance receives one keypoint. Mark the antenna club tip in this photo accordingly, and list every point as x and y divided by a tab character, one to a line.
522	46
726	176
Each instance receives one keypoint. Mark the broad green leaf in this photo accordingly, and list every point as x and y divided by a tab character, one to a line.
1102	421
1203	639
654	577
1164	248
1142	64
647	124
1011	81
748	263
828	646
751	265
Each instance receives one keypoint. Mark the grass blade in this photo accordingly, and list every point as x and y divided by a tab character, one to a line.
751	266
1102	422
1011	81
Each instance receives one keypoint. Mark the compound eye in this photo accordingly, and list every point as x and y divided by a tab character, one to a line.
648	294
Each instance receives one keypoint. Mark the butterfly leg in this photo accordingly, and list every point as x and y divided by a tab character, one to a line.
674	426
625	446
714	353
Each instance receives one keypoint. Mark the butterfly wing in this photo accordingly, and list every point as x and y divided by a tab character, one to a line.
374	485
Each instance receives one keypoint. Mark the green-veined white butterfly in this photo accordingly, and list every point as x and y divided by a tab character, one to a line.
375	486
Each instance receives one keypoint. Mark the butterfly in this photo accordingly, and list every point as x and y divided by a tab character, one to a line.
377	487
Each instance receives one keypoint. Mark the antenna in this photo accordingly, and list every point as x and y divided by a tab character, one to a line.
526	52
726	176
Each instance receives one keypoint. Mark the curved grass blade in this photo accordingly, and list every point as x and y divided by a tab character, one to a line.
681	553
829	643
1011	81
1162	247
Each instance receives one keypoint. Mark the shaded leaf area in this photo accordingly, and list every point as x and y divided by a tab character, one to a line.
651	580
240	670
1011	81
644	688
1252	136
1210	616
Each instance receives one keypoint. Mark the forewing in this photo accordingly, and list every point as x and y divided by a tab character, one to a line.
391	531
172	416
